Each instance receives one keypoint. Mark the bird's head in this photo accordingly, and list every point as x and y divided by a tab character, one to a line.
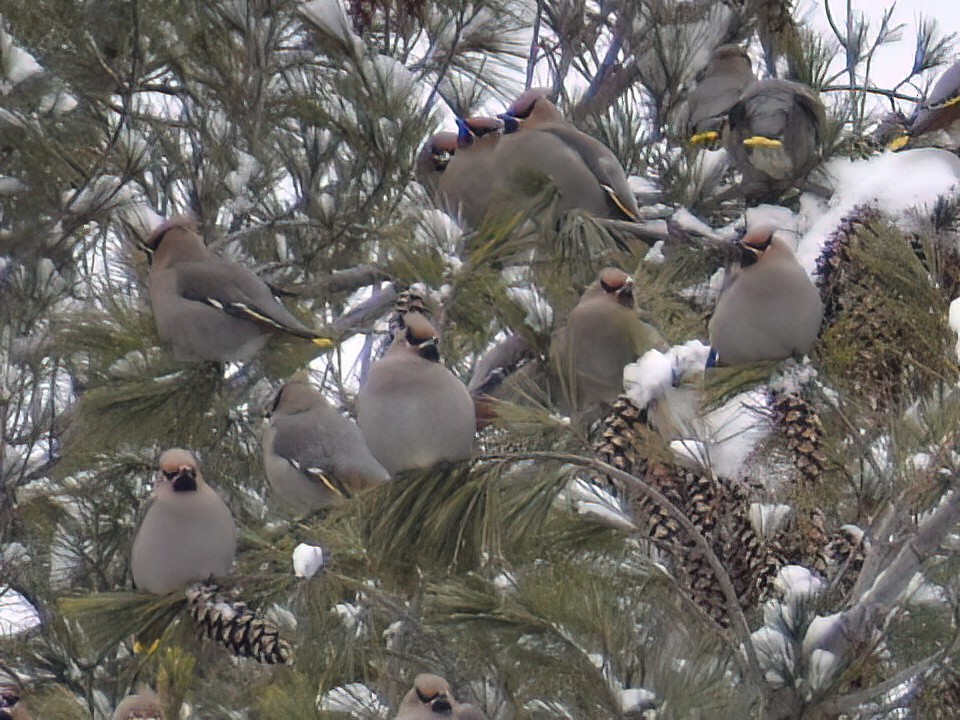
755	243
422	336
179	470
618	285
434	692
469	130
442	147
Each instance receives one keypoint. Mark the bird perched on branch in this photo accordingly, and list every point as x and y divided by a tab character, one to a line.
587	174
770	310
210	308
187	534
430	697
939	115
314	456
729	72
414	412
774	135
470	180
602	334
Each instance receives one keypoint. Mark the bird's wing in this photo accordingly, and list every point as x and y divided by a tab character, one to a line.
298	440
237	292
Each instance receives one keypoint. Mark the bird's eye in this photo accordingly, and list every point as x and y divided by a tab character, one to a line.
170	474
424	698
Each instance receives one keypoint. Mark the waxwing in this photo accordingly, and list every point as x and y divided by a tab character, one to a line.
187	534
939	114
208	307
433	159
314	456
774	135
728	73
145	705
602	334
430	698
770	310
412	410
587	174
469	181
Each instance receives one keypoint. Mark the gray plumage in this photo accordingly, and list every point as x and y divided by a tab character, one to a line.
774	135
729	72
602	334
471	179
414	412
314	456
187	534
586	172
210	308
771	309
430	698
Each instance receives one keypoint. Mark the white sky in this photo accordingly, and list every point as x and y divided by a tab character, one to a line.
892	62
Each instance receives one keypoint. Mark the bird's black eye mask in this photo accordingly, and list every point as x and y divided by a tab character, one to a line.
150	248
425	698
181	480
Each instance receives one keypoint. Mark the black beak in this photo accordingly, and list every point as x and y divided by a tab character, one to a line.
183	479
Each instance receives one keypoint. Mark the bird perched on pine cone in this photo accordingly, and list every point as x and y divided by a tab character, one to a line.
602	334
187	534
210	308
770	310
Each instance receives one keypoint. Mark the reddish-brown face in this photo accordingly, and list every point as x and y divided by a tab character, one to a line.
617	283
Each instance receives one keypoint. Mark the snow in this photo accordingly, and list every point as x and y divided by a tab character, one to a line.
307	560
538	313
653	375
689	222
355	699
16	64
797	582
954	320
330	17
655	254
892	182
768	518
590	499
17	615
820	631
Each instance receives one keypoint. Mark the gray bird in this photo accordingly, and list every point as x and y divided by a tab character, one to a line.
431	697
187	534
210	308
774	135
940	113
433	158
145	705
602	334
414	412
729	72
314	456
587	174
470	179
770	310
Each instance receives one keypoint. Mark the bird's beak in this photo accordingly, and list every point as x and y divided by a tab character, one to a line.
183	479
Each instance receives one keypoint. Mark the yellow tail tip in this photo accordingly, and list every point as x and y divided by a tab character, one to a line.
139	649
707	137
761	141
899	142
323	343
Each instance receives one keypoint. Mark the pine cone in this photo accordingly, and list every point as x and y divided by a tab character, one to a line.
800	424
232	624
619	443
845	554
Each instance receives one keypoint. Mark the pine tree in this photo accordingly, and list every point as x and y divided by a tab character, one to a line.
290	130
